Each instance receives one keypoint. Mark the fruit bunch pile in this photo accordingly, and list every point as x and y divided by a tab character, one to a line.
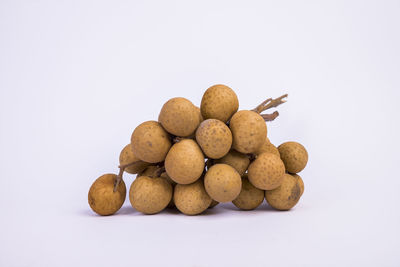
193	158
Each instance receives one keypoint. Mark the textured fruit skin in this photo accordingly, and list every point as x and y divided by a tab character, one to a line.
214	138
102	199
150	195
267	146
250	197
294	156
286	195
299	182
185	162
191	199
266	171
249	131
219	102
237	160
149	171
150	142
179	117
127	156
222	182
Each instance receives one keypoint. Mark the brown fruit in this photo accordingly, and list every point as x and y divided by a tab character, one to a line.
219	102
102	198
286	195
294	156
250	197
179	117
150	171
185	162
214	138
127	157
191	199
237	160
150	195
266	171
299	182
222	183
249	131
267	146
150	142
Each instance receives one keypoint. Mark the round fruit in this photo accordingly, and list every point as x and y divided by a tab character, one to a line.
150	195
250	197
214	138
299	182
267	146
294	156
237	160
286	195
179	117
266	172
102	198
191	199
249	131
222	183
150	142
219	102
185	162
127	157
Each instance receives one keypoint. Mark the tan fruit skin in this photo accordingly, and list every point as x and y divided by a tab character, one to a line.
149	171
185	162
266	171
191	199
127	156
150	195
299	182
222	182
219	102
102	199
267	146
286	195
179	117
249	131
294	156
214	138
250	197
237	160
150	142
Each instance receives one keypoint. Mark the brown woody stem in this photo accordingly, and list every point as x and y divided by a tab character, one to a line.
121	172
158	172
270	117
270	103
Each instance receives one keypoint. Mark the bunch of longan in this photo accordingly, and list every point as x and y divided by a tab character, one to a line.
193	158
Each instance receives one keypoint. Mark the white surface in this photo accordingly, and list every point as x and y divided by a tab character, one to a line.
76	77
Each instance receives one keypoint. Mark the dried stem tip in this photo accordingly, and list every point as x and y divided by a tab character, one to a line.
121	172
270	103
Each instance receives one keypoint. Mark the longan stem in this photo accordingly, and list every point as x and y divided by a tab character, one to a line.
270	103
158	172
121	172
270	117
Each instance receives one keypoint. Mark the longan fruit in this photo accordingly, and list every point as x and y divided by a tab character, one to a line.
237	160
150	195
127	156
191	199
214	138
286	195
294	156
150	142
248	130
149	171
250	197
266	171
299	182
222	182
219	102
185	162
179	117
267	146
213	204
102	198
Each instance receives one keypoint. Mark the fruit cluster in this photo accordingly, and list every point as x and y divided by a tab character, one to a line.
193	158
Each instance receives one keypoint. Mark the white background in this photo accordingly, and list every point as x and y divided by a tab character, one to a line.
76	77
